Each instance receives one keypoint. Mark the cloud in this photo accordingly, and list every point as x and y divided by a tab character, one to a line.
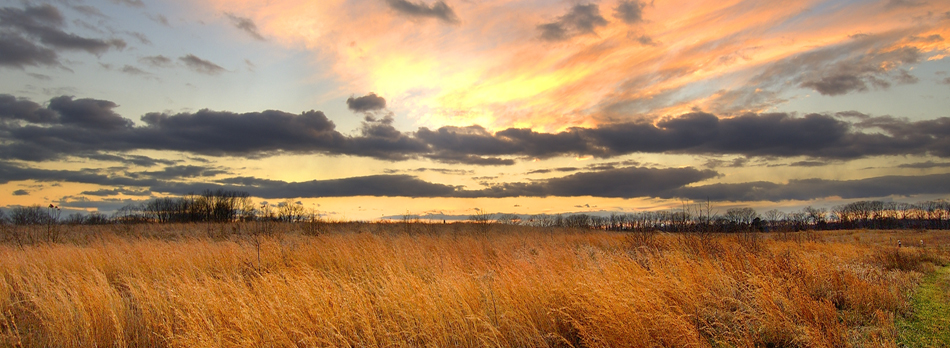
136	160
580	20
105	205
82	127
22	109
374	185
808	189
857	65
646	40
131	70
369	102
628	182
891	4
16	51
44	23
201	65
924	165
180	172
117	191
158	61
133	3
11	172
21	193
551	170
439	10
808	164
629	11
88	113
160	19
445	171
623	182
141	37
246	25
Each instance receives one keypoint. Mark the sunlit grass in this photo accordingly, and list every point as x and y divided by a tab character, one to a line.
454	285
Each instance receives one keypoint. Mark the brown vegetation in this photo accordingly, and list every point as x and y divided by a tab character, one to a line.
249	284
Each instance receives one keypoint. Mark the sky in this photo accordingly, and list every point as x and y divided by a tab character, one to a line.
375	109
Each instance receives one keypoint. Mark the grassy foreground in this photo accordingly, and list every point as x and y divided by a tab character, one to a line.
458	285
929	325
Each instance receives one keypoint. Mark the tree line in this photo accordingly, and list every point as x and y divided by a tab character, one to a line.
208	206
232	206
703	217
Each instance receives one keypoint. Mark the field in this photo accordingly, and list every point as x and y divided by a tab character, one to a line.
457	285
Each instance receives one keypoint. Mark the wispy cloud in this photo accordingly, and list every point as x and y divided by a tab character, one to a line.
201	65
611	60
246	25
438	10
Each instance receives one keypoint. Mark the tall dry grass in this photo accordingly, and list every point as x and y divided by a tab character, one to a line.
453	285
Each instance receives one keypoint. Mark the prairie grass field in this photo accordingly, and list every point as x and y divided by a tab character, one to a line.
455	285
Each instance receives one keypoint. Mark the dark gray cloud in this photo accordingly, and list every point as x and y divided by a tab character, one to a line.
629	11
808	189
12	172
21	193
45	23
104	205
579	20
78	127
137	160
629	182
366	103
81	127
438	10
553	170
455	158
16	51
246	25
623	182
183	171
445	171
88	113
21	109
626	182
201	65
924	165
374	185
808	164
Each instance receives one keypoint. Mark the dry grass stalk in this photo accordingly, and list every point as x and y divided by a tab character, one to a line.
376	285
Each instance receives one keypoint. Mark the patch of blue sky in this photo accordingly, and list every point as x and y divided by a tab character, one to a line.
821	9
929	98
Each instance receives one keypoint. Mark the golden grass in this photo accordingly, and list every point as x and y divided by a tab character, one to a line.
454	285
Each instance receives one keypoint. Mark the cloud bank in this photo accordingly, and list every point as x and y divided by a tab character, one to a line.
86	127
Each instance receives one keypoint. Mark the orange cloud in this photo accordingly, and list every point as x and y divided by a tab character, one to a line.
492	68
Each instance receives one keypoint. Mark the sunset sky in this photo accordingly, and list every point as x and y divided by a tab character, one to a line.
369	109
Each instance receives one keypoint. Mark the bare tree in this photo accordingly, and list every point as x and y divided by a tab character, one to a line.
742	217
